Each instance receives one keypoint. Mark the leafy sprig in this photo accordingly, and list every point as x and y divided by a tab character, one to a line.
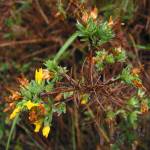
94	32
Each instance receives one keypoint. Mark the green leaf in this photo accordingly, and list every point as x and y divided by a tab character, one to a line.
24	5
51	65
26	93
111	115
126	75
114	147
49	87
141	93
60	108
133	118
100	66
67	94
9	22
122	112
95	32
121	57
110	59
134	102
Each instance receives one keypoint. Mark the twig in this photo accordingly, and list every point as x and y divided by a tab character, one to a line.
37	52
42	12
24	42
100	130
56	92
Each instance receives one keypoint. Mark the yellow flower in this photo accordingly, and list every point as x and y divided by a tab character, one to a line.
30	104
46	131
83	101
38	125
39	75
15	113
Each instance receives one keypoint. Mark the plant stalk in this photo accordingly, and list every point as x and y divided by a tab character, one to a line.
65	46
11	131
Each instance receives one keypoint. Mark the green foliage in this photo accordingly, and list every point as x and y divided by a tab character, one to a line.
141	93
133	118
24	5
9	22
4	67
133	102
15	20
123	8
111	115
3	128
22	68
12	22
26	93
110	59
114	147
51	65
104	57
100	66
55	69
34	88
100	57
122	113
127	77
143	47
120	55
60	108
49	86
8	36
67	94
94	32
12	131
61	9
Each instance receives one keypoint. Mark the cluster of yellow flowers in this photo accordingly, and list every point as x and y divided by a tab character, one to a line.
18	109
45	130
39	76
38	124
